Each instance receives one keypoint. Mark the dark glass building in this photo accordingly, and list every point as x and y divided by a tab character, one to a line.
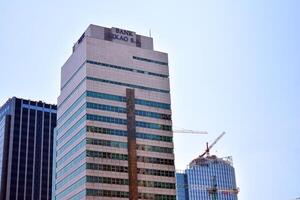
26	138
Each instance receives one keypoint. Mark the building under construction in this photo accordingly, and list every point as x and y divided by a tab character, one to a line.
207	178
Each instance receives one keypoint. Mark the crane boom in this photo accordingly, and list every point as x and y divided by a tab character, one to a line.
216	140
190	131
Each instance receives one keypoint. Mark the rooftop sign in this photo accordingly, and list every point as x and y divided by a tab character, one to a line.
123	36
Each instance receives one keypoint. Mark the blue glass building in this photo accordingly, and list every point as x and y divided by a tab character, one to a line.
181	186
208	178
26	140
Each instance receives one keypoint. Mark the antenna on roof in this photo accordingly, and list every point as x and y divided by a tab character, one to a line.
150	32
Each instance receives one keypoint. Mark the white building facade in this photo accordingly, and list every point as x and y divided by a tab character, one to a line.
114	131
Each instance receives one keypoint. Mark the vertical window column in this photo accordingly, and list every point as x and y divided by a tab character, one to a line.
45	156
5	157
22	153
38	154
30	154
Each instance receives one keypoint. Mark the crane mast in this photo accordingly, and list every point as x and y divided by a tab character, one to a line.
212	144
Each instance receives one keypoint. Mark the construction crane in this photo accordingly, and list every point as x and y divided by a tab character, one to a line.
189	131
209	147
213	191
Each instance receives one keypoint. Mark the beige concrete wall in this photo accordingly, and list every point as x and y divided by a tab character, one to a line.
122	55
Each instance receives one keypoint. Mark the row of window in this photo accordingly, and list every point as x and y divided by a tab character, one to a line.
67	112
63	86
113	132
36	107
156	172
107	131
154	148
70	176
114	168
149	60
71	141
106	119
74	150
71	130
106	107
107	193
123	99
124	133
152	104
117	156
153	114
161	161
156	196
91	105
119	181
124	110
71	165
70	188
124	122
155	184
121	194
111	168
106	180
107	143
154	126
127	85
106	155
154	137
124	145
79	196
126	69
74	90
71	118
118	98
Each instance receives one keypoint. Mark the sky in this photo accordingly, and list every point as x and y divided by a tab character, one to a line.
234	67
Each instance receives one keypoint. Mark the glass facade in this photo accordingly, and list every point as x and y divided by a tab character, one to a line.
207	179
181	186
2	132
29	149
5	112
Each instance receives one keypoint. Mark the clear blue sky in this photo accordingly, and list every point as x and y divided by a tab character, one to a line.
234	66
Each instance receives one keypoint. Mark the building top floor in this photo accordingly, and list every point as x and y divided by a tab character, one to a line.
205	161
9	106
116	35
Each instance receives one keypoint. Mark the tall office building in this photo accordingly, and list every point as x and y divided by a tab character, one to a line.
182	192
26	140
207	178
114	128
